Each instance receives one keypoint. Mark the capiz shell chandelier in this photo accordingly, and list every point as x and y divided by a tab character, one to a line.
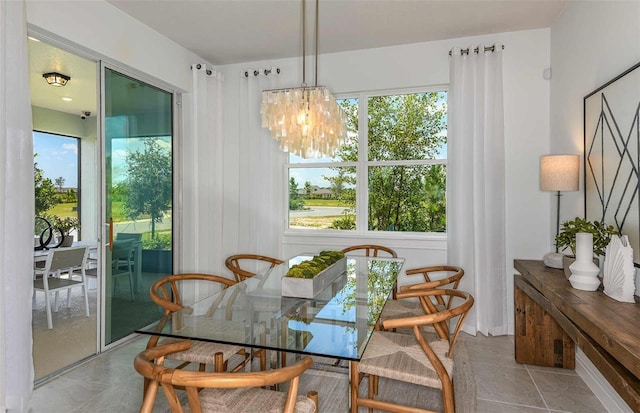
307	121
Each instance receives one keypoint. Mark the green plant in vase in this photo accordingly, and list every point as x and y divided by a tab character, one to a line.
566	238
65	225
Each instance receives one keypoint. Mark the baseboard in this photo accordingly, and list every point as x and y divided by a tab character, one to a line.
599	385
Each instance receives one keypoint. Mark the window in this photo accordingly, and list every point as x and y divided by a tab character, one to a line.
389	175
56	174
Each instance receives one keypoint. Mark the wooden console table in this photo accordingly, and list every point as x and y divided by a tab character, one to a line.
550	316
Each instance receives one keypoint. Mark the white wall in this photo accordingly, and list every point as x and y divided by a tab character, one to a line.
526	96
591	43
101	28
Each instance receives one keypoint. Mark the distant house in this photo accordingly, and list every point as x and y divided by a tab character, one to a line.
64	190
316	192
322	193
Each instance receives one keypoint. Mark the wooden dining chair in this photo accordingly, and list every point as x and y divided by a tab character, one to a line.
420	358
372	250
222	392
238	264
397	308
166	292
56	276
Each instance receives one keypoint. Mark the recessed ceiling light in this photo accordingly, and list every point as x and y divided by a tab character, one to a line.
33	38
67	99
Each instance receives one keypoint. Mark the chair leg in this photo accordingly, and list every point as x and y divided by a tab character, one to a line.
150	395
313	395
47	303
355	385
448	401
55	302
219	362
86	297
131	284
372	389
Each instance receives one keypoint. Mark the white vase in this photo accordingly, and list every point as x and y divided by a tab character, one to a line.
619	273
584	273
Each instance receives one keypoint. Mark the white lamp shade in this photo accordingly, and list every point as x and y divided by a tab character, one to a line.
559	172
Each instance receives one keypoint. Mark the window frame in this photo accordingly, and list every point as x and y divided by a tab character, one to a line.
362	170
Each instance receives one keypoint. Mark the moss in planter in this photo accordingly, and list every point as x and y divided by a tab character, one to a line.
312	267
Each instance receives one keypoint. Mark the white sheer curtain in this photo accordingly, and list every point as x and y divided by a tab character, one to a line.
261	173
16	211
476	185
203	174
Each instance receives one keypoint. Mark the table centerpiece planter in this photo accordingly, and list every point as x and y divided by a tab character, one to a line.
310	277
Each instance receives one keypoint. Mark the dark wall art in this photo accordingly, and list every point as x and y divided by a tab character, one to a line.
612	155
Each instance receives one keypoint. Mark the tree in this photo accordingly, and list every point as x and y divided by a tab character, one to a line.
401	127
148	185
295	203
60	183
45	191
308	188
337	183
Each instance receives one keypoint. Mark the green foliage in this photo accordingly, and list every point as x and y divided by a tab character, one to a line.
149	182
64	224
68	197
45	191
347	222
60	183
295	202
312	267
401	198
308	188
159	242
602	233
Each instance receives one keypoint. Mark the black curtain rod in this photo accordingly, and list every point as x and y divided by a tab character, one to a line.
476	50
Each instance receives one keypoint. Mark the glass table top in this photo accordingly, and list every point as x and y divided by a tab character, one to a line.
336	323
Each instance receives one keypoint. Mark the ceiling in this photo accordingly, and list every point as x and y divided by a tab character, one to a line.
234	31
81	88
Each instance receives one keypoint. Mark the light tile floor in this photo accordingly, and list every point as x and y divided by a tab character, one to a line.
108	383
505	386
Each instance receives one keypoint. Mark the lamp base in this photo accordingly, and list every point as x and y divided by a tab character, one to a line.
553	260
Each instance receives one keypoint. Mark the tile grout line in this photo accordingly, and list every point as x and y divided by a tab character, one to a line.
514	404
537	388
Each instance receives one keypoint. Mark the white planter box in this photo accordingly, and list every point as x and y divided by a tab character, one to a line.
310	287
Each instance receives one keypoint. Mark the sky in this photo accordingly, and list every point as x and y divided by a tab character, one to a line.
57	157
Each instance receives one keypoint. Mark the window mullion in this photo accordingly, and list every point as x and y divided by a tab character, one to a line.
362	192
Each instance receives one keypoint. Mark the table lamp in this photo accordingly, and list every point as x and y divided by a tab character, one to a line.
558	173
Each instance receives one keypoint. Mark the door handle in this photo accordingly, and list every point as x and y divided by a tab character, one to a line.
110	233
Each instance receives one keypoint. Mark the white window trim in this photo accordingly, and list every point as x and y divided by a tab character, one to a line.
362	175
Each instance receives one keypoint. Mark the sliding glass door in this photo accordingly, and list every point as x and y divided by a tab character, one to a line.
138	149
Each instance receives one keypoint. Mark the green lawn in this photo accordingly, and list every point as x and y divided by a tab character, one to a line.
324	202
66	210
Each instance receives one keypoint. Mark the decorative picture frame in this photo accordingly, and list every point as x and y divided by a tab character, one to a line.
612	155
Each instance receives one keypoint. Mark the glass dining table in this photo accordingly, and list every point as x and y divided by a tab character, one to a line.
336	323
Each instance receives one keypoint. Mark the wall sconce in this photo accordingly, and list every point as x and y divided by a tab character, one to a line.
56	79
